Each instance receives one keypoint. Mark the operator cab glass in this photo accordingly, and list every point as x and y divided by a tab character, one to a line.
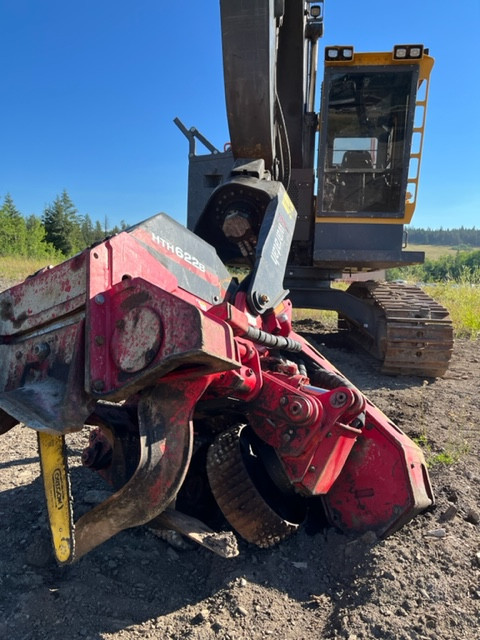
366	130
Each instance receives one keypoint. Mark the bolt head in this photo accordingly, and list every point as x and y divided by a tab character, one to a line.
98	385
295	408
338	399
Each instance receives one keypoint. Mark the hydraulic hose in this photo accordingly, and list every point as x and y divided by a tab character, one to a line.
274	342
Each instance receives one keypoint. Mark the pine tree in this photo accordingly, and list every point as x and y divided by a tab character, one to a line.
13	232
37	246
99	232
88	233
62	227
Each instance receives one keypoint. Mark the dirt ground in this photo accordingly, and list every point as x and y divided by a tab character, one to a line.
422	582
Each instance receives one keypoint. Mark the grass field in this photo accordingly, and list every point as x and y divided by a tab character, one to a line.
433	252
463	304
12	268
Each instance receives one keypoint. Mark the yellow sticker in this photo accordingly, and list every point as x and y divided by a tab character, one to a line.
288	205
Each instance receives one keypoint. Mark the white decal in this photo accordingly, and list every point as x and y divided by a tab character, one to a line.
179	252
277	245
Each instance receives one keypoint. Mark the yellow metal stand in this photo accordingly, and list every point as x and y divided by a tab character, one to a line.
57	492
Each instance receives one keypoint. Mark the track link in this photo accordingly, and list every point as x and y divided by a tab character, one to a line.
237	495
412	333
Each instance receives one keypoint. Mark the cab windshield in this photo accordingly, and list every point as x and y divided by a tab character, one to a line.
367	123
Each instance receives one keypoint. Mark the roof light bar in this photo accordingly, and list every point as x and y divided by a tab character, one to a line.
335	54
408	51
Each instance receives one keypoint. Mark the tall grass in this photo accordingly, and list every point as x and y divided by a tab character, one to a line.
327	319
16	269
463	303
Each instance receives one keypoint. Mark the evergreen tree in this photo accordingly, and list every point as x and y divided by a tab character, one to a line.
59	233
448	237
88	232
99	234
37	246
13	233
62	227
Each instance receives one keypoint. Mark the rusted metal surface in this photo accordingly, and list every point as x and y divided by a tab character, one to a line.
43	377
41	348
113	449
47	296
222	543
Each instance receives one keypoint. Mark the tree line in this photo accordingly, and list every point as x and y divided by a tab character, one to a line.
462	237
58	233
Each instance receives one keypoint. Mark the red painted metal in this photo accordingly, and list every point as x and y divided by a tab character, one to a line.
113	323
122	360
166	440
384	483
306	431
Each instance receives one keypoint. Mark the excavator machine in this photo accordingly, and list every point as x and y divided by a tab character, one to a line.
200	406
353	196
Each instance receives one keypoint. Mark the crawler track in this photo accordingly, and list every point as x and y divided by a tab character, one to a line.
412	333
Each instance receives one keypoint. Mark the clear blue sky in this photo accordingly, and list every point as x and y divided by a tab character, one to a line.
89	91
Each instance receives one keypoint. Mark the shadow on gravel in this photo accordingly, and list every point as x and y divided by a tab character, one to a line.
18	463
135	577
136	580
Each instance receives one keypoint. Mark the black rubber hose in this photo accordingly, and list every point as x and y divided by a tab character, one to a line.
330	379
274	342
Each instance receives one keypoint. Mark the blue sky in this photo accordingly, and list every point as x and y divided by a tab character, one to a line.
89	91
